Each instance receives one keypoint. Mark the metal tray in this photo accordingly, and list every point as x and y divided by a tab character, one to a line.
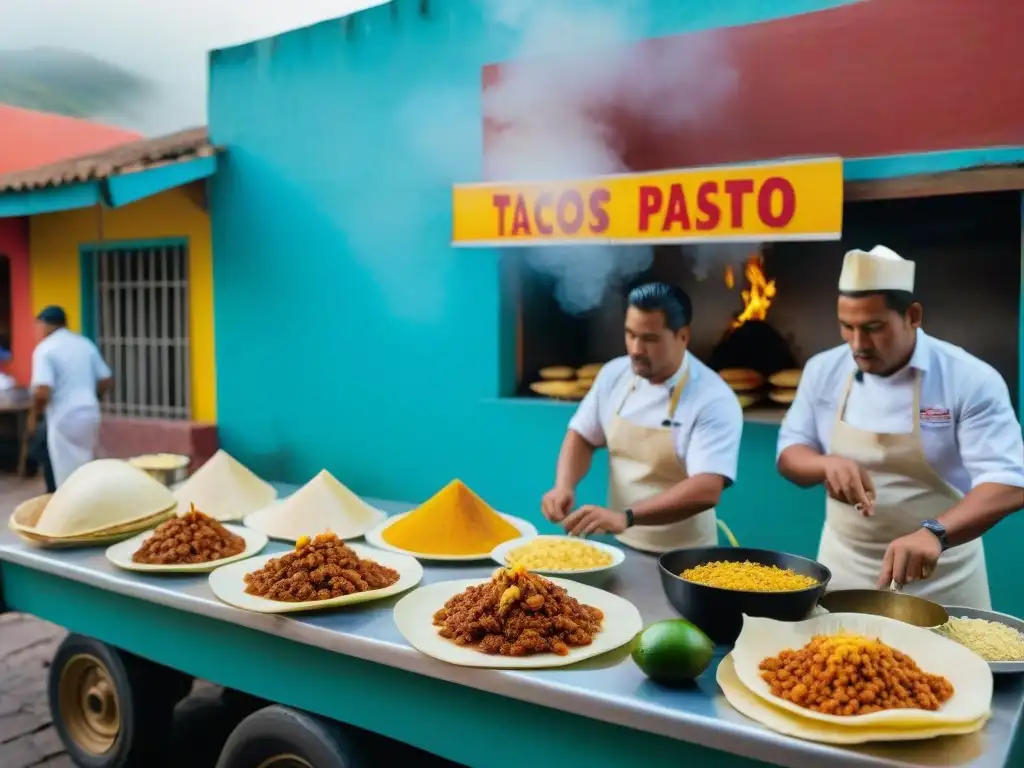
998	667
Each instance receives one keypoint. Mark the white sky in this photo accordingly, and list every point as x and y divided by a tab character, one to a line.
163	40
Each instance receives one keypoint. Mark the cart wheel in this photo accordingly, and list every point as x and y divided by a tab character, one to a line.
276	737
111	709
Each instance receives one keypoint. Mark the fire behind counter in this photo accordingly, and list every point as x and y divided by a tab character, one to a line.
770	308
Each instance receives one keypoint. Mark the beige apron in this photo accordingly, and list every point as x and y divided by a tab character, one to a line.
642	463
907	492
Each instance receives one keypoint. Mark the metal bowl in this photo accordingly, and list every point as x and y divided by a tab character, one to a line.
998	667
894	605
719	612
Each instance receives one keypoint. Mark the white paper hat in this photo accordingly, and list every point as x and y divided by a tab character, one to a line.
880	269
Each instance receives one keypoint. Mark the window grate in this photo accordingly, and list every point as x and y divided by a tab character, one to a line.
141	328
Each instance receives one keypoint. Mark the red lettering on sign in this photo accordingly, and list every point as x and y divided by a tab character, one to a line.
520	218
570	202
773	187
736	189
501	202
677	213
544	200
650	203
599	218
710	214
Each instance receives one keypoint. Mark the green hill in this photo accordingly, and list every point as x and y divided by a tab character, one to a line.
67	83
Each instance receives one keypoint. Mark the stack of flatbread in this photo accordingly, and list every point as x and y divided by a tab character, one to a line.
745	382
322	505
562	382
784	384
224	489
101	502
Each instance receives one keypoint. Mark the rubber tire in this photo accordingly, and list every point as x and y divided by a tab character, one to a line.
146	695
278	730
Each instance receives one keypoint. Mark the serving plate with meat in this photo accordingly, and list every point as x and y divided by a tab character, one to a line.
320	572
193	543
515	620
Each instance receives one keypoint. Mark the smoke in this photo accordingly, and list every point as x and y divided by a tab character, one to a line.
569	70
705	257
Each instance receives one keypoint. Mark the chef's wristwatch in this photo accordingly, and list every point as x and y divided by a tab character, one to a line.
937	528
629	517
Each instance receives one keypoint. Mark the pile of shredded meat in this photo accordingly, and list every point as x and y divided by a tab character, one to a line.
189	540
319	569
518	613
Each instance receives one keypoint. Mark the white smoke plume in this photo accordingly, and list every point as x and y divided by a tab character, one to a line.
570	66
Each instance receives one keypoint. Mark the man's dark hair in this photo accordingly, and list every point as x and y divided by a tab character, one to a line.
897	301
672	301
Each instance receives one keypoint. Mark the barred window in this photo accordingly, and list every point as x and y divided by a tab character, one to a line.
140	324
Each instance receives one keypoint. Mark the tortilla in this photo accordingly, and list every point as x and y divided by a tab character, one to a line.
561	390
321	505
742	379
747	400
783	396
224	489
557	372
788	379
589	371
100	495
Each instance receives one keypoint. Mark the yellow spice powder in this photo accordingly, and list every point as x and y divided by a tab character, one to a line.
454	521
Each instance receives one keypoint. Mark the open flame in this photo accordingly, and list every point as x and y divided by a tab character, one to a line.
758	299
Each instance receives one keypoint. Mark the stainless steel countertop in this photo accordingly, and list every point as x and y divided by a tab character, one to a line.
609	688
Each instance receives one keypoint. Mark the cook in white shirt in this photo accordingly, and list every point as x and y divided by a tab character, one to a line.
672	428
914	439
68	379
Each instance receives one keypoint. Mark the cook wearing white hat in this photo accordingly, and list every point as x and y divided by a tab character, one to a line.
914	439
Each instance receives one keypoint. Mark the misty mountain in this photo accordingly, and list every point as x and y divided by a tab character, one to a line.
68	83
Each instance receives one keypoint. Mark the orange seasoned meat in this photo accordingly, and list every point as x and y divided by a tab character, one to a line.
518	613
319	569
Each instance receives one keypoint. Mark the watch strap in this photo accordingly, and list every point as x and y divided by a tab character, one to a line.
938	530
629	517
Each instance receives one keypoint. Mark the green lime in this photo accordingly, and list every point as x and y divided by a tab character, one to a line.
673	651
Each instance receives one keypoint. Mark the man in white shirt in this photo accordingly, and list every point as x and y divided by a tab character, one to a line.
672	428
69	377
914	439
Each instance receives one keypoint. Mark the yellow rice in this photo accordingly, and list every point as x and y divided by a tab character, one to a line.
748	577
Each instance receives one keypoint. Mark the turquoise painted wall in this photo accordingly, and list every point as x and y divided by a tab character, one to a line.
356	339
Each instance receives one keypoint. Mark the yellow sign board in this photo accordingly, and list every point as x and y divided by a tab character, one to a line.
786	200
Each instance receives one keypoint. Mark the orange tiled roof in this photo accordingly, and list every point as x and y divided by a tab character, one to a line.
29	139
124	158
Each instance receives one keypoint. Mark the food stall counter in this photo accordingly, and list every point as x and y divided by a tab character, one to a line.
609	689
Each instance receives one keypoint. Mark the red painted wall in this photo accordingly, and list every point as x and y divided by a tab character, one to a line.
14	245
876	77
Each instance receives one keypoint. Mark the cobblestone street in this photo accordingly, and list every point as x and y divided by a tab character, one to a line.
27	736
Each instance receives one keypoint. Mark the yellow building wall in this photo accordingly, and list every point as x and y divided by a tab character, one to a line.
54	244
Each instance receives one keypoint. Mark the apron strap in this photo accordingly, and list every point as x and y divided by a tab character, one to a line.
673	401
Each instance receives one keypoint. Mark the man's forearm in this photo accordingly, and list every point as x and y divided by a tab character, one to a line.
980	510
574	460
802	465
682	501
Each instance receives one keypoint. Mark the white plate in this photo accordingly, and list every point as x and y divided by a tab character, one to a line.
376	538
971	678
379	517
228	583
121	554
782	721
999	667
414	616
500	554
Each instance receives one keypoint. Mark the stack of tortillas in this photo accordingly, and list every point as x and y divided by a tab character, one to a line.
561	382
224	489
321	505
784	384
101	502
745	382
